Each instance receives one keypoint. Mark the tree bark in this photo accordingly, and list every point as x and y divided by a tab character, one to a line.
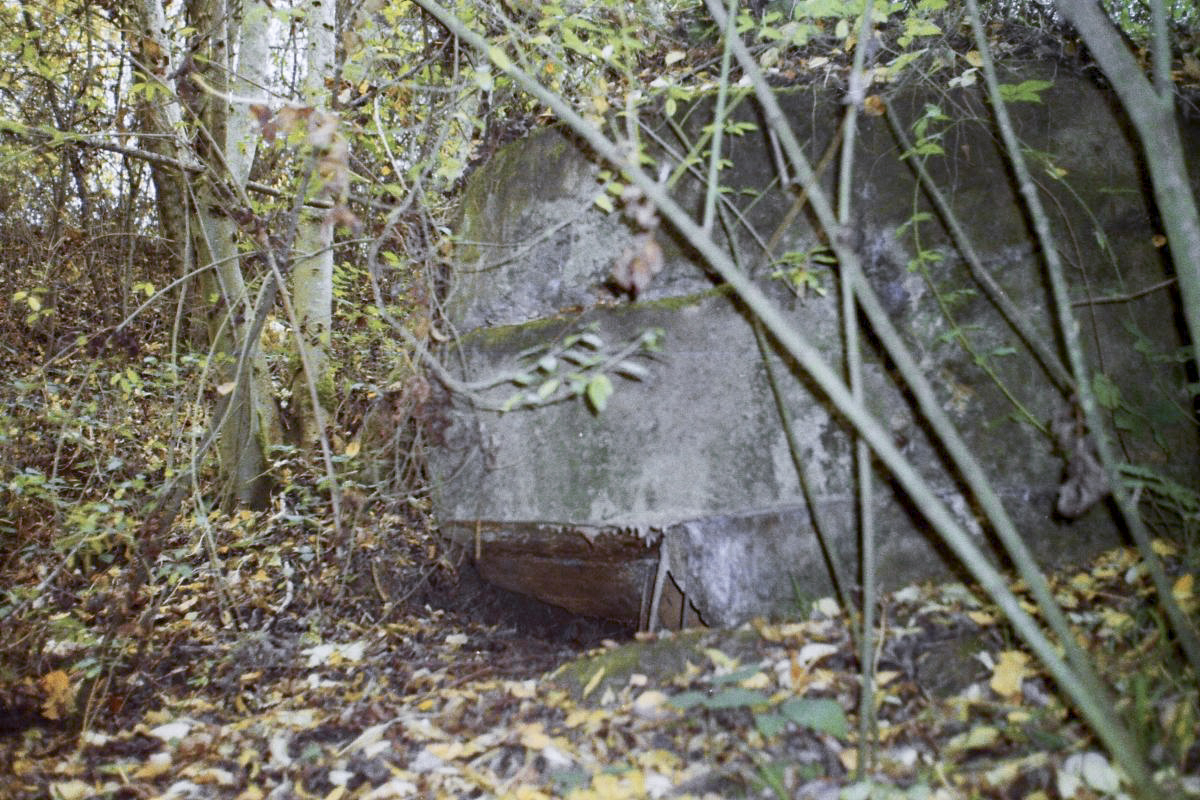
312	276
228	54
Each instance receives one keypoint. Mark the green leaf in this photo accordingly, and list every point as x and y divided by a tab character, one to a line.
736	697
599	389
737	676
631	370
903	60
688	700
1108	394
1024	92
652	338
915	27
825	8
822	715
575	357
499	58
1125	421
770	724
572	41
548	388
483	78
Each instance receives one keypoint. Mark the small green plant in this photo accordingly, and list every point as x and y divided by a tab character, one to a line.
802	270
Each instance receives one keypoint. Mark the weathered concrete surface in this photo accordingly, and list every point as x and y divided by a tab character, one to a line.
695	455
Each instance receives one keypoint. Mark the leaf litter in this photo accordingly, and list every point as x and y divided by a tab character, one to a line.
251	676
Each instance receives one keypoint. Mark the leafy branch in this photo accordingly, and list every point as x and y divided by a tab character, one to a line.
579	366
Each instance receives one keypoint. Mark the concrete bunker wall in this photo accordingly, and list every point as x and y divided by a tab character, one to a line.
574	506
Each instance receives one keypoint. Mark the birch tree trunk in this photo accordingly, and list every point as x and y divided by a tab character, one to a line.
227	56
312	275
235	65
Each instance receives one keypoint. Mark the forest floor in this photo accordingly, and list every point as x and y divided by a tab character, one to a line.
274	665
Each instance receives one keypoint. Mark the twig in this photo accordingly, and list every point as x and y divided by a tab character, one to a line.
1124	298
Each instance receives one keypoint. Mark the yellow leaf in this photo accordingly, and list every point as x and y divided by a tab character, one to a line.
974	58
981	618
719	659
663	761
758	680
608	787
1002	775
156	765
60	696
649	705
674	56
226	388
1007	675
1082	580
1162	547
446	751
594	681
1116	620
353	448
1182	590
534	737
71	790
977	737
884	677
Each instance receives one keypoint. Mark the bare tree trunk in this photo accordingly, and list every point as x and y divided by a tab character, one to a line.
312	276
235	64
161	123
228	54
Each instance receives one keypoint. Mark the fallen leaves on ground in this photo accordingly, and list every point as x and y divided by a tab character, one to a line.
247	690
